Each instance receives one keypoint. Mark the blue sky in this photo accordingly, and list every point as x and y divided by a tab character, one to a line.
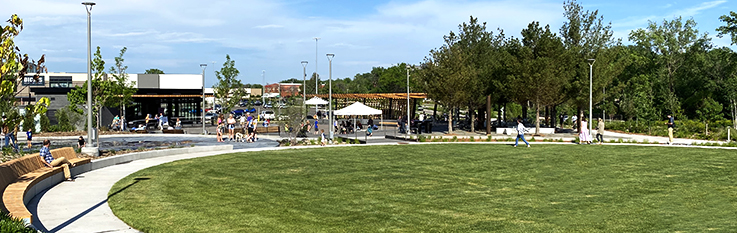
275	36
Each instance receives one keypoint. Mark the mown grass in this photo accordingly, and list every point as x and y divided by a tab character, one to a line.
438	188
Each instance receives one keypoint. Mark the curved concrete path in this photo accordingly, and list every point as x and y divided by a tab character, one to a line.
81	206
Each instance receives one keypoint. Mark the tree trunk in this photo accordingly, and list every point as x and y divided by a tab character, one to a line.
537	118
450	122
554	118
488	115
435	112
473	118
524	110
578	119
706	128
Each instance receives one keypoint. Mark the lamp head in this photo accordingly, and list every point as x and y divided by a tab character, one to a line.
203	65
304	63
88	3
330	56
591	59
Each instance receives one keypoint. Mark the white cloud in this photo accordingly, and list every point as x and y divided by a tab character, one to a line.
269	26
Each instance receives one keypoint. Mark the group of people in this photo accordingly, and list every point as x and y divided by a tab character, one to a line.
248	123
584	136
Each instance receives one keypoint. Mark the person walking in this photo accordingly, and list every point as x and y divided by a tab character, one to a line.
323	139
520	133
600	132
49	160
584	135
231	127
671	123
316	127
80	142
29	136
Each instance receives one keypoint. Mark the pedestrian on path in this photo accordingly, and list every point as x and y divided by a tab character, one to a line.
600	132
29	136
231	127
520	133
670	124
584	135
49	160
323	139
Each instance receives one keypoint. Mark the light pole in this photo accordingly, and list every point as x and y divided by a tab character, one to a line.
330	95
316	76
88	7
591	88
204	66
408	130
263	89
304	89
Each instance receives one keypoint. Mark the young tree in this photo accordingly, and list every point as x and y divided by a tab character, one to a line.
709	110
229	88
13	69
122	90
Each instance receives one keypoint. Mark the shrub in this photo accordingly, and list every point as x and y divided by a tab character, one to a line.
488	138
45	123
10	224
421	138
455	139
356	141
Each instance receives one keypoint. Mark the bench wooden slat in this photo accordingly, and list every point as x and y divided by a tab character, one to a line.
18	175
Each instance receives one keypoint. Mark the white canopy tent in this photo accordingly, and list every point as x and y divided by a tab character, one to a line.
358	109
316	101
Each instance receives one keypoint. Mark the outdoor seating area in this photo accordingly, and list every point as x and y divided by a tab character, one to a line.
19	177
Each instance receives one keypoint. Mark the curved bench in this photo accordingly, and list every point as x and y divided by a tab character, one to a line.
20	179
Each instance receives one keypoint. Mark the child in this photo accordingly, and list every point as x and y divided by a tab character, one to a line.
80	142
30	135
221	127
323	140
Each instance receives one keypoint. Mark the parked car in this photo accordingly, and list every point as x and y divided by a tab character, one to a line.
257	103
209	116
267	105
268	114
251	110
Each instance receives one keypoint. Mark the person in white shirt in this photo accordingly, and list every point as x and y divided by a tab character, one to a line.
520	133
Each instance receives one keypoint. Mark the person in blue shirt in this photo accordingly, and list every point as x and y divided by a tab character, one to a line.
29	136
49	160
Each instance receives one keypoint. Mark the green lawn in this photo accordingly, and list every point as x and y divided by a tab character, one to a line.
438	188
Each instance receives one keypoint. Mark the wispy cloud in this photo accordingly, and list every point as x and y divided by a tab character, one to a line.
695	10
268	26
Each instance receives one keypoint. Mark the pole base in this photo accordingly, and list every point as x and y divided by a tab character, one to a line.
91	151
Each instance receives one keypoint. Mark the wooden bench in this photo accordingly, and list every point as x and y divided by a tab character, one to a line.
173	131
19	175
269	129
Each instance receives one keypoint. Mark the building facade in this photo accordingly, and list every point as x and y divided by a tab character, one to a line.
283	90
174	95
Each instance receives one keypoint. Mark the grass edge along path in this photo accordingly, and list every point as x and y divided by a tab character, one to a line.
444	188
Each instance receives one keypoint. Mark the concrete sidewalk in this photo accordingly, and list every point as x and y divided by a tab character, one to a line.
81	206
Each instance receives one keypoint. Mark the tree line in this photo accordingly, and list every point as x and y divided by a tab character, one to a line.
668	68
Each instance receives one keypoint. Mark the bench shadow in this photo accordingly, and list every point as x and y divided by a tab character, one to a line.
88	210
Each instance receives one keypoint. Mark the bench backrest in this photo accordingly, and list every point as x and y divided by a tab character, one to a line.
66	152
11	170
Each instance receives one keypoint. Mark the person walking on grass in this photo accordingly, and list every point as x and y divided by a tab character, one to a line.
49	160
600	132
584	135
520	133
670	124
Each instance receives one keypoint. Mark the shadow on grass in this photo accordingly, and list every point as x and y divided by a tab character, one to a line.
88	210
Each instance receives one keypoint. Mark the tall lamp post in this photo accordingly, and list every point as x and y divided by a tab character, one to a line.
591	88
408	120
330	96
304	89
204	66
263	89
316	76
88	7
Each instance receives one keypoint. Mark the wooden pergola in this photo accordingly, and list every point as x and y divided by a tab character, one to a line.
392	105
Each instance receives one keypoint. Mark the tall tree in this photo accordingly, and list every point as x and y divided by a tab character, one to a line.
585	35
539	75
154	71
668	43
229	88
730	28
122	89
